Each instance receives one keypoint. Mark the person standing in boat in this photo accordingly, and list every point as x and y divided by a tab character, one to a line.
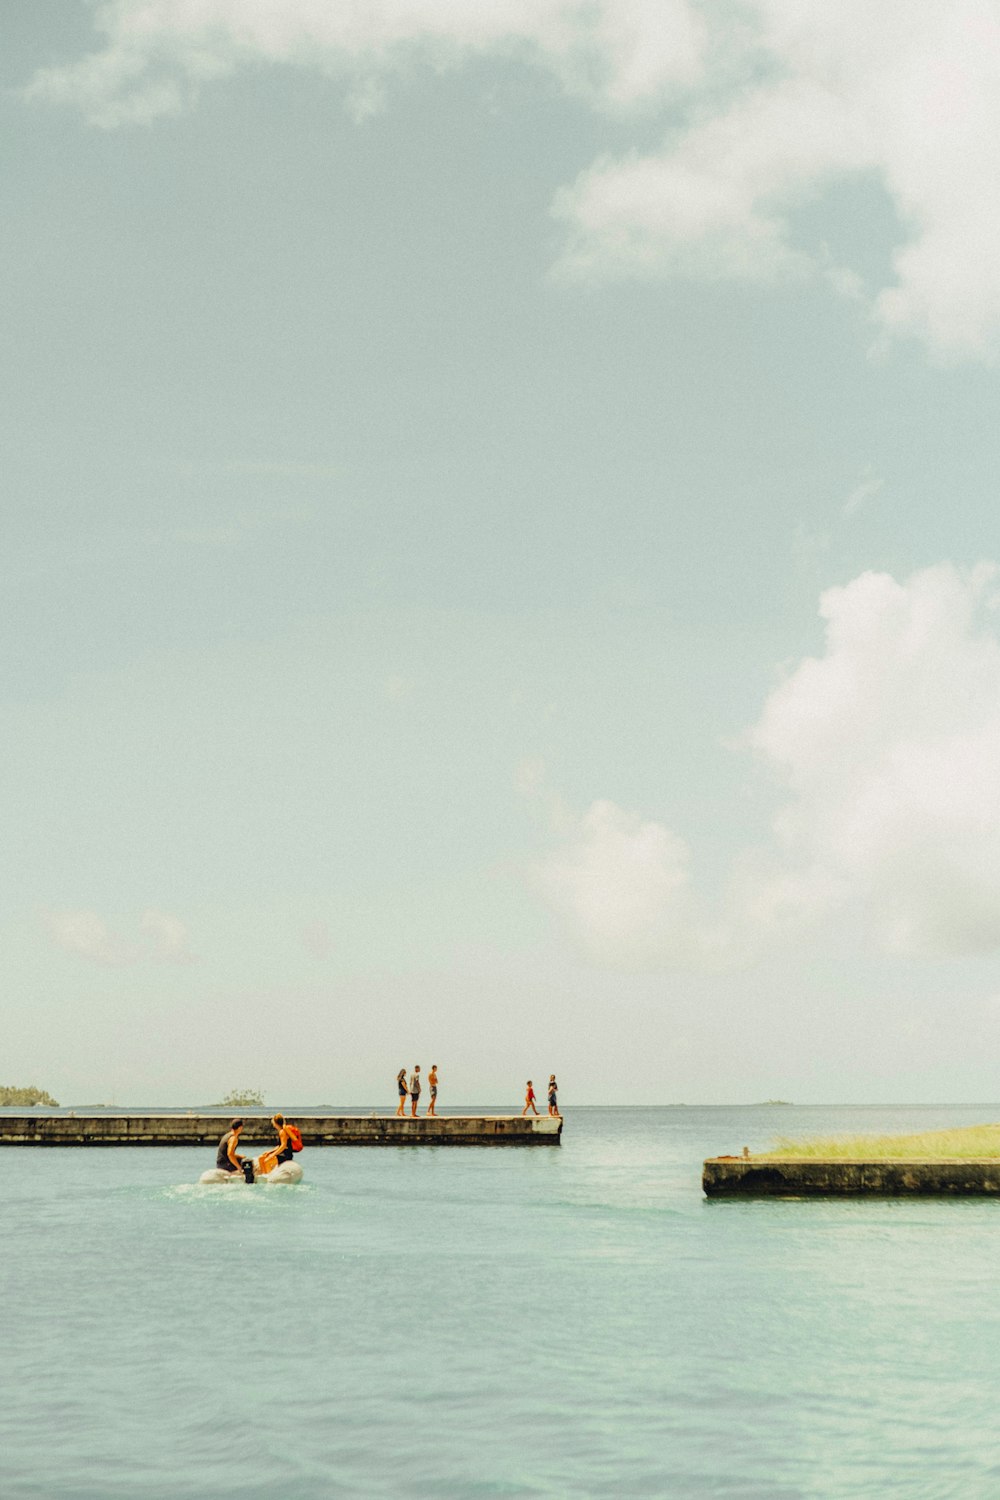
432	1080
415	1090
227	1158
401	1086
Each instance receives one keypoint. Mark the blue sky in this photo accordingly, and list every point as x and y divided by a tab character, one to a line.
499	506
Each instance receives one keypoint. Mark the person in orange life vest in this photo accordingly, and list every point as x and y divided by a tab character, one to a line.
285	1148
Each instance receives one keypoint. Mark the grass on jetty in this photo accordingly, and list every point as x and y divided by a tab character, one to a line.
933	1145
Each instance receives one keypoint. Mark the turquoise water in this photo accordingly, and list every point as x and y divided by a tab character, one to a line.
440	1322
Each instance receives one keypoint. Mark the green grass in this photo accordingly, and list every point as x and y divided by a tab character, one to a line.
970	1142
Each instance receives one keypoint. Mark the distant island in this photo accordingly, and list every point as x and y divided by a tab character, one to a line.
25	1098
241	1099
786	1102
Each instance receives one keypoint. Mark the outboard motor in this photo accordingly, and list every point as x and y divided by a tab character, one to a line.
247	1165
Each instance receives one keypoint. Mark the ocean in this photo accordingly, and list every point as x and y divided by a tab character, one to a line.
573	1322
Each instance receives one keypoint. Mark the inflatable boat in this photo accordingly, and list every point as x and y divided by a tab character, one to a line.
285	1173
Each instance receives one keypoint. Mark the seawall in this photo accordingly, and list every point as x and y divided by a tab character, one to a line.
739	1177
317	1130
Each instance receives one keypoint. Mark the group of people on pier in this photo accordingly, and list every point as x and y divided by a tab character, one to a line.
412	1089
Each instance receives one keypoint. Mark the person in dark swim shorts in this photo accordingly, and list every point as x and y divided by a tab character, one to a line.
432	1079
415	1090
553	1095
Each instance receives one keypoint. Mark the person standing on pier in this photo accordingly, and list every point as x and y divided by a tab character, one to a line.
401	1085
432	1079
529	1100
553	1095
415	1090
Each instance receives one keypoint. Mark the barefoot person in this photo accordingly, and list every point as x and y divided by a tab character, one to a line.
529	1100
415	1091
227	1158
432	1080
553	1095
401	1085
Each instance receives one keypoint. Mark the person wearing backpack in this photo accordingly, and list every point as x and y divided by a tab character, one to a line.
289	1141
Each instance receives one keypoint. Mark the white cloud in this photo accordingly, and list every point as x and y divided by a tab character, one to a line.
88	935
162	938
764	105
887	752
159	53
889	745
906	93
623	886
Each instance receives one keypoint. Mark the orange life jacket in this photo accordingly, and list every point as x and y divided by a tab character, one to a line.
295	1136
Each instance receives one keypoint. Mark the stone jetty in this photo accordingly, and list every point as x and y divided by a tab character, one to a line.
811	1177
317	1130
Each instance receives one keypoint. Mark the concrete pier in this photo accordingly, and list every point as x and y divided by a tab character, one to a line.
790	1177
317	1130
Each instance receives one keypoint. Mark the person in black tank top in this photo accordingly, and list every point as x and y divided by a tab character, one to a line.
227	1158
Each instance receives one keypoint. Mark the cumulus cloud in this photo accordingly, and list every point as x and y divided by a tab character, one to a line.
889	745
886	753
903	93
162	938
764	105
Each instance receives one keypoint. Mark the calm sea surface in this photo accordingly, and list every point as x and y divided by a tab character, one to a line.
462	1323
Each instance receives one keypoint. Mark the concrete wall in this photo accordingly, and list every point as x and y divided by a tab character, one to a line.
317	1130
739	1178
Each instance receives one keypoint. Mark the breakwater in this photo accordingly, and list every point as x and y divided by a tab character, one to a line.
317	1130
774	1177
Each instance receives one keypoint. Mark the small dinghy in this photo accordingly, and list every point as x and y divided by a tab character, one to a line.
284	1174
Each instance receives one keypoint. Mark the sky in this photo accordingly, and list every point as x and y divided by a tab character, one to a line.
500	549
